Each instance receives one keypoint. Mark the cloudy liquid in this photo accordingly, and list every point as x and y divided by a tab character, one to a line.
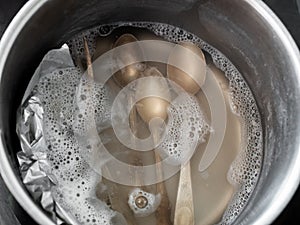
222	190
212	188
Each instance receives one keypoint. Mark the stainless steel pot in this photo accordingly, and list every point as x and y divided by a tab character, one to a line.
246	31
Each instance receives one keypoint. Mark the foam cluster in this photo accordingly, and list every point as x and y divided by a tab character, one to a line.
186	128
76	45
152	202
76	181
92	107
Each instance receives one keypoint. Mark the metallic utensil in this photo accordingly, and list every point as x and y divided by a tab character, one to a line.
131	72
149	108
192	82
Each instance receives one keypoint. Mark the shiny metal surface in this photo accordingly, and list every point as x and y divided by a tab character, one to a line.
246	31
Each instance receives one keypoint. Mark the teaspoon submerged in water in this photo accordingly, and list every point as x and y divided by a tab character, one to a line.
122	78
128	54
153	107
143	205
191	82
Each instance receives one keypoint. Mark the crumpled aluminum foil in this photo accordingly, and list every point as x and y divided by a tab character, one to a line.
34	166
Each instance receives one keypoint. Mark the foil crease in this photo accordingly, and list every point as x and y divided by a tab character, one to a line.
35	167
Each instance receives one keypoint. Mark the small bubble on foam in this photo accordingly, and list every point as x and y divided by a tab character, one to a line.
105	30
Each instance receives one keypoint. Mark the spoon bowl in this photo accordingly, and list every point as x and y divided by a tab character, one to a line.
128	54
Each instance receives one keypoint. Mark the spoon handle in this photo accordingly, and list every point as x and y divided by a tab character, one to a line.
184	209
89	64
163	211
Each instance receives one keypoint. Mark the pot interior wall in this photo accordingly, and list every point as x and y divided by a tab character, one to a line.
243	35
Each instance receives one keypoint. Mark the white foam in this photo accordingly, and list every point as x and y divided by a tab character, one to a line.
186	128
76	180
153	202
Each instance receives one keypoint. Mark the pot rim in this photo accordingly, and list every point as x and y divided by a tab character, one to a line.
13	184
16	187
291	182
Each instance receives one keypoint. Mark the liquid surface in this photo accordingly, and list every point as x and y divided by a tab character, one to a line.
220	192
